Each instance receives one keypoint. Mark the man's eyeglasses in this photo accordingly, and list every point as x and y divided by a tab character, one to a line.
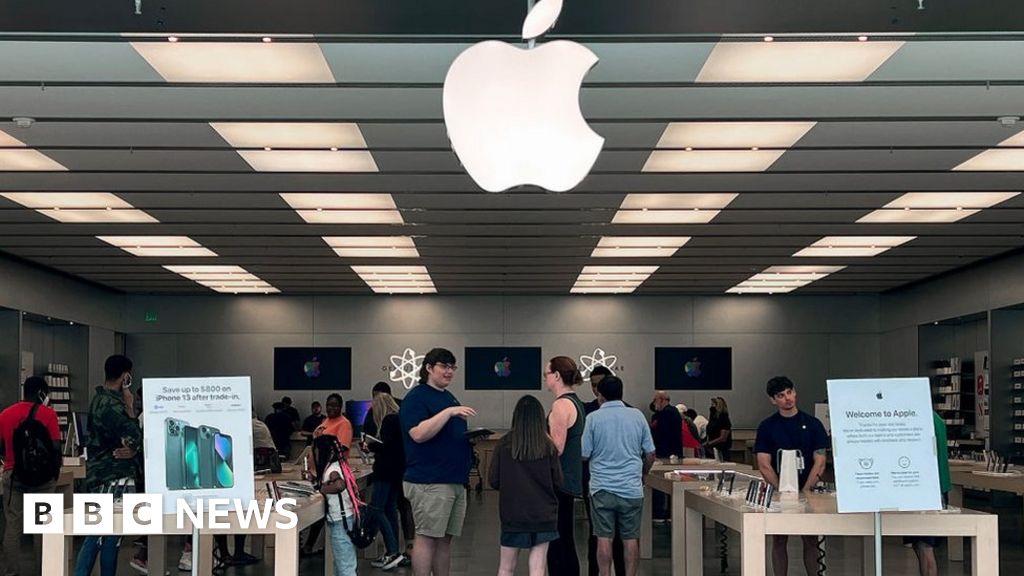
447	367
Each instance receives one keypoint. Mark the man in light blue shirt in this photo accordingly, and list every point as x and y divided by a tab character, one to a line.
617	442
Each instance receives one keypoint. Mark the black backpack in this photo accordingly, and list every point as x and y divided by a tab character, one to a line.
36	460
363	527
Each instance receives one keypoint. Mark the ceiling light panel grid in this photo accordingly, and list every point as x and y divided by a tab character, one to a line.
226	279
81	207
783	279
407	118
396	279
852	246
159	246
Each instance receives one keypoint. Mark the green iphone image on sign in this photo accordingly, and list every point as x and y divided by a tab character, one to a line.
197	457
174	453
191	461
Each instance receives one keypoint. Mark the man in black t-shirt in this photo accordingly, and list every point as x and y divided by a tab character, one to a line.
790	429
667	432
315	418
280	424
291	412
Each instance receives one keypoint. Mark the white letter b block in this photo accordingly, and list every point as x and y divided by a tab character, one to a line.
44	514
94	514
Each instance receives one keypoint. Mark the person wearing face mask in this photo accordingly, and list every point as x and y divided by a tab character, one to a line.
114	439
20	551
719	429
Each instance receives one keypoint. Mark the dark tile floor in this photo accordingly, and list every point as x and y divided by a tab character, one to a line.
476	553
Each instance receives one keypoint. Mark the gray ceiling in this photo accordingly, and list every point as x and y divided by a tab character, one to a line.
118	127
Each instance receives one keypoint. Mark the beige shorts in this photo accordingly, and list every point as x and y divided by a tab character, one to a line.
438	510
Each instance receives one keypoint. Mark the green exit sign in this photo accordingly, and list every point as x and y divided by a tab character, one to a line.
152	317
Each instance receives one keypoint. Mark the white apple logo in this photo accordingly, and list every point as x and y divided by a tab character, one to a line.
513	115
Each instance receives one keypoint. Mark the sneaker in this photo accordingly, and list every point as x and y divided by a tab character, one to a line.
139	565
185	563
406	561
395	562
380	562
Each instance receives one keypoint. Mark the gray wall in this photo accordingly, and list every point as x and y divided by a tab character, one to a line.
808	338
101	345
31	289
51	343
10	358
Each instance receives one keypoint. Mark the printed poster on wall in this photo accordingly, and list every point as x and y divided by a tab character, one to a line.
883	444
198	439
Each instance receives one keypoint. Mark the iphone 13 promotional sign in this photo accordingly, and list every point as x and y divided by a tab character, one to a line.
513	116
198	438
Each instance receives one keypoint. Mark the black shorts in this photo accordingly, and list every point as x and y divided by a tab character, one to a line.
932	541
526	539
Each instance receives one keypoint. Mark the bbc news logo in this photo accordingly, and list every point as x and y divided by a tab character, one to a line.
93	514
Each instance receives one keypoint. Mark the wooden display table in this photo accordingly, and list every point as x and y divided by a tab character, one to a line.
817	516
57	548
964	477
297	442
676	488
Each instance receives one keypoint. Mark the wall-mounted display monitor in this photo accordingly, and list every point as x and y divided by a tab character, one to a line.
312	368
693	368
355	411
503	368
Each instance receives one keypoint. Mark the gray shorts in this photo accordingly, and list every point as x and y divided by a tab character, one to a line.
438	510
611	513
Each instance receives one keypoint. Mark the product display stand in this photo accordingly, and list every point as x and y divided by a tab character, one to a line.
817	515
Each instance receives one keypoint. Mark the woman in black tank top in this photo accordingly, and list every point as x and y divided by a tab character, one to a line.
565	425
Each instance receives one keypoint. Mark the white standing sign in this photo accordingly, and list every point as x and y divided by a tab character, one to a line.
198	439
883	444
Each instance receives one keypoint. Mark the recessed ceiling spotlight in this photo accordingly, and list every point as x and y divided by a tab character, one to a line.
862	38
172	38
267	148
267	39
769	38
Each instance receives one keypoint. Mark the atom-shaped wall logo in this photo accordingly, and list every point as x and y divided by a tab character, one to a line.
599	358
406	368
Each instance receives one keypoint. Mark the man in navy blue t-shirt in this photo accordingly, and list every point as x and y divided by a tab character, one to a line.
790	429
437	457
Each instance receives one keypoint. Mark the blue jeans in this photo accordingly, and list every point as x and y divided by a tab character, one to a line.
106	547
385	504
341	546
